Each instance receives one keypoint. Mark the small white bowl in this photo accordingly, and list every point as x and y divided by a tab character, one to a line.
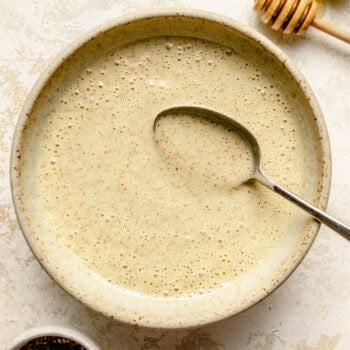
69	333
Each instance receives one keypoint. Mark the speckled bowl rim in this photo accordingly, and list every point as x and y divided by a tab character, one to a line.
150	320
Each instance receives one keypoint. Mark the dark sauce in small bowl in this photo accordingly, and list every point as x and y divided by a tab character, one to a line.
52	343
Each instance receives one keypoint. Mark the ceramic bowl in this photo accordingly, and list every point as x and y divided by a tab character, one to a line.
171	312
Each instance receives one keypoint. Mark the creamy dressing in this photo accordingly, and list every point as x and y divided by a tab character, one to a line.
165	213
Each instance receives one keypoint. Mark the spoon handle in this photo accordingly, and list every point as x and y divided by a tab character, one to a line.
318	214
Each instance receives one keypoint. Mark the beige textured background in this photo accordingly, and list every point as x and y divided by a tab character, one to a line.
310	311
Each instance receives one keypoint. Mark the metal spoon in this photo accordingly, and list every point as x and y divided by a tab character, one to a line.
258	174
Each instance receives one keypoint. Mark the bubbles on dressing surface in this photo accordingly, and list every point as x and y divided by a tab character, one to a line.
164	219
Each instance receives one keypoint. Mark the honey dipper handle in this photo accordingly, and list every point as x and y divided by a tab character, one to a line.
331	29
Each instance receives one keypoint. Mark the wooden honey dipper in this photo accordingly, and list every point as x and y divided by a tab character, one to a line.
295	16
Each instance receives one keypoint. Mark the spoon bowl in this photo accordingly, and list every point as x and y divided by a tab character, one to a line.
222	119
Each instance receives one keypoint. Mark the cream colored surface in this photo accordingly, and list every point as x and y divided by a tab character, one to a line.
297	318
